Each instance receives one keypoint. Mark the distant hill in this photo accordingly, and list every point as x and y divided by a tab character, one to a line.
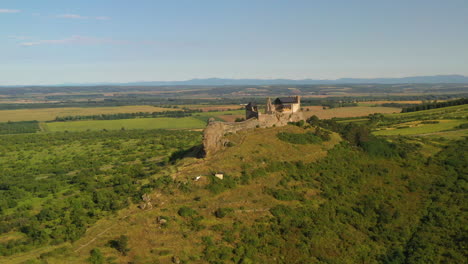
221	81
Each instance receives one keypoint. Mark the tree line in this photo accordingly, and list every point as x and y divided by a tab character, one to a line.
434	105
173	114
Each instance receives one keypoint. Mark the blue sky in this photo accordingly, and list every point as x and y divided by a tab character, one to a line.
71	41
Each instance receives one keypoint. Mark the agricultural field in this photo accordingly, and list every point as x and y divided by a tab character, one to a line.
380	102
421	127
207	108
48	114
227	116
343	112
127	124
451	112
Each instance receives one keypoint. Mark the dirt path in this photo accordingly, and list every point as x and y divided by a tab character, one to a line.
98	235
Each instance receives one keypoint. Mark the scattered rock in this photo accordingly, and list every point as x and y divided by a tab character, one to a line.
146	205
161	220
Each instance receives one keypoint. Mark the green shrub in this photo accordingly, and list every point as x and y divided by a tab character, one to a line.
187	212
222	212
120	244
96	257
217	186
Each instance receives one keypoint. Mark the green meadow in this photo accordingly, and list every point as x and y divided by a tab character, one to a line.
451	112
139	123
416	128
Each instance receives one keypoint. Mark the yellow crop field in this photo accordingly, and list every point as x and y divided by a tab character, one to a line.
48	114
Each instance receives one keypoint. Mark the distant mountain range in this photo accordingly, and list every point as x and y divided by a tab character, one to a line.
219	81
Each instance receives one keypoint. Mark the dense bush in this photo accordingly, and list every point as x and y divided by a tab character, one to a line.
19	127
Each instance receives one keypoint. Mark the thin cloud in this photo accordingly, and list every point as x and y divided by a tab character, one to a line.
102	18
79	40
76	16
9	11
72	16
19	37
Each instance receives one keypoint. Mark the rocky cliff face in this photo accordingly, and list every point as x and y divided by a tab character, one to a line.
213	135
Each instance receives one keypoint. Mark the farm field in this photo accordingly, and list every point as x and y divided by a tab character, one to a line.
48	114
459	111
227	116
206	108
416	128
379	102
354	111
139	123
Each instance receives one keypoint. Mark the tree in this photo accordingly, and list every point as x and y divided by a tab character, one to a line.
96	256
121	244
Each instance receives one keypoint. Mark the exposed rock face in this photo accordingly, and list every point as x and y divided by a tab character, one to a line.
213	135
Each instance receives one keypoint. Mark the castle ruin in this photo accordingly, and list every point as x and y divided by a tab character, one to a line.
277	113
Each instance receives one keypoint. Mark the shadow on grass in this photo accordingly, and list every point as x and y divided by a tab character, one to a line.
193	152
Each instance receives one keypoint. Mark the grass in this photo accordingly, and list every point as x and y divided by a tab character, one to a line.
252	147
417	128
48	114
140	123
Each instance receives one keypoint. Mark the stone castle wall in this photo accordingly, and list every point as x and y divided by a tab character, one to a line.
213	135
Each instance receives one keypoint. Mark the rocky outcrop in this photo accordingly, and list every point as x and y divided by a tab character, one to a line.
279	119
213	135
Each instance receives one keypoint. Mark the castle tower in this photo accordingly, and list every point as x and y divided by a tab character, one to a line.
251	111
270	108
